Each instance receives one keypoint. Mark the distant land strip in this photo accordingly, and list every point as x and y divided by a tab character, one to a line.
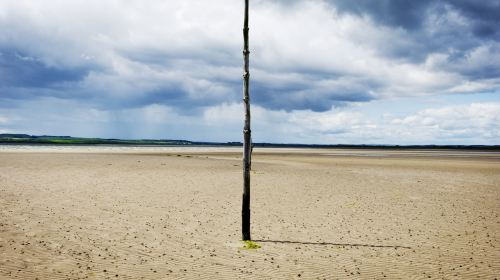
25	139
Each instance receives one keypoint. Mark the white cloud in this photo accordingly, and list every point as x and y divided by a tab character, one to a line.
477	123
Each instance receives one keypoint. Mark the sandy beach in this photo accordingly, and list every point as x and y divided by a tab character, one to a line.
174	213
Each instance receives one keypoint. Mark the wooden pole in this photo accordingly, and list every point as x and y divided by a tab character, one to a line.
247	134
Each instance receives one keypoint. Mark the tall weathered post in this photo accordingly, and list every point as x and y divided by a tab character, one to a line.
247	134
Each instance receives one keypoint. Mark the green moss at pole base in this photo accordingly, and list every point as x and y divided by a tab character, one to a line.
250	245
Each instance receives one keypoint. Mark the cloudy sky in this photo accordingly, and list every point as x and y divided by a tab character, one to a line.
322	71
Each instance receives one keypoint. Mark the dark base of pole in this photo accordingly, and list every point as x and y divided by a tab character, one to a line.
245	218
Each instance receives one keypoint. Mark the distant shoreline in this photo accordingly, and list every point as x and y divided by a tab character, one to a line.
25	139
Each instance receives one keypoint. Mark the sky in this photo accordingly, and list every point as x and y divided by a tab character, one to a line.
322	71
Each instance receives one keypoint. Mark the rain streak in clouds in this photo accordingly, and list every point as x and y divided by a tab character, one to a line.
403	72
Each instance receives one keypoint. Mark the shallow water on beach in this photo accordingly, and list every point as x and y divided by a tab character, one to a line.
420	153
114	148
325	152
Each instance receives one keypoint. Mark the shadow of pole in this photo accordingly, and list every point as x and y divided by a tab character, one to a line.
333	244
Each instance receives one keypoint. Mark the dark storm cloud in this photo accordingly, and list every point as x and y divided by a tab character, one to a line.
316	98
410	14
176	97
485	16
24	77
315	101
21	70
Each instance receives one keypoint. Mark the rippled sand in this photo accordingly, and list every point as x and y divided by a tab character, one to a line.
136	213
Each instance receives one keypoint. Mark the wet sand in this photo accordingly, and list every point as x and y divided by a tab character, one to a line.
80	213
